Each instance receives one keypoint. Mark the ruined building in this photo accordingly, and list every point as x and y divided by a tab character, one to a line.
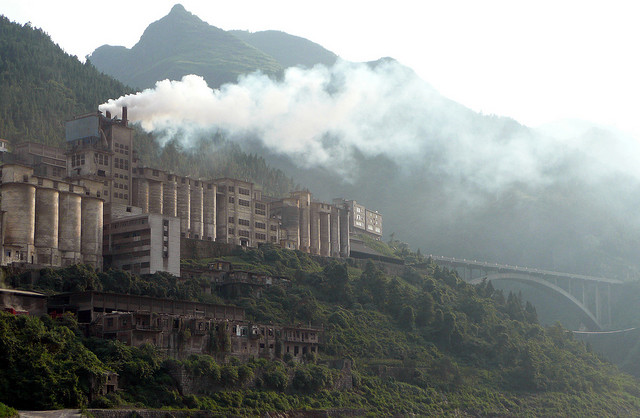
180	328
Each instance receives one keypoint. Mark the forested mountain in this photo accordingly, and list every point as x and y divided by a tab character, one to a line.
41	86
179	44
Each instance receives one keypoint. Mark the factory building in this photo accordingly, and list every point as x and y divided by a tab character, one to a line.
100	148
363	220
49	222
55	203
312	226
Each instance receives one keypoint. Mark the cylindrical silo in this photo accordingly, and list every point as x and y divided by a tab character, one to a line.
142	194
169	198
92	215
345	245
305	241
19	206
325	234
155	197
314	230
69	222
196	210
335	232
46	227
209	212
184	207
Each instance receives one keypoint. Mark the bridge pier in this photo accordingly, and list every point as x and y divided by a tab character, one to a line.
598	313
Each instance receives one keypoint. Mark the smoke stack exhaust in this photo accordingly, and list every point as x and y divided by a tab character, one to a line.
108	114
124	116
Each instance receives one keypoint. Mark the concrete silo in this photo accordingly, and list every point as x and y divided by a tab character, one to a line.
196	209
46	226
69	227
19	207
169	198
92	209
209	208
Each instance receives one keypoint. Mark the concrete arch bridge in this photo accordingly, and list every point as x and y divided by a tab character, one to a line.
592	296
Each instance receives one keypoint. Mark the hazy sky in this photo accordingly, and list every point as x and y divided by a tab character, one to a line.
535	61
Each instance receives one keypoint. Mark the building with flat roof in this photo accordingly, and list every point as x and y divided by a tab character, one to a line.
143	243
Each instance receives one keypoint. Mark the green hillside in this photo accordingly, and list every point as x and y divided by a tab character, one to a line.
289	50
41	86
420	342
179	44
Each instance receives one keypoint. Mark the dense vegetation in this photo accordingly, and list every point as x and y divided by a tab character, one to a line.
41	86
421	341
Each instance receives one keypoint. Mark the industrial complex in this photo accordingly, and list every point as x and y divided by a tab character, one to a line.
96	203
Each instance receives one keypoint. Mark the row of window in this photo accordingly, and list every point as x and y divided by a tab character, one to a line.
77	160
247	234
121	163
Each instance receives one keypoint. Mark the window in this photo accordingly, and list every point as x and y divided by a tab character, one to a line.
244	233
232	189
243	202
244	191
262	237
243	222
232	231
231	199
232	219
260	225
273	228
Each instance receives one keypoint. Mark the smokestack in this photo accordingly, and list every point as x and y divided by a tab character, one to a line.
124	116
108	115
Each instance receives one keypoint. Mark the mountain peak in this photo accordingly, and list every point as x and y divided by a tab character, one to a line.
178	8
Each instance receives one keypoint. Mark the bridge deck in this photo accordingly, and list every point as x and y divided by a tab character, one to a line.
516	269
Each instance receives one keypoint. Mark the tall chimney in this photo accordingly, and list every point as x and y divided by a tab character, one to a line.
108	115
124	116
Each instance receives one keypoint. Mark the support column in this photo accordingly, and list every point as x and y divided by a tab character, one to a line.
609	321
598	313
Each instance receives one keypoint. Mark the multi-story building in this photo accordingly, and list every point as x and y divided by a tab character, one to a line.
362	220
243	217
181	328
46	161
142	243
100	148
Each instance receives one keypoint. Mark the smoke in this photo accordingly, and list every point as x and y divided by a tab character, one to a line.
331	117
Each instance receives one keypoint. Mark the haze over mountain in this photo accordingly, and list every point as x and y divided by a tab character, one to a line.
180	43
447	179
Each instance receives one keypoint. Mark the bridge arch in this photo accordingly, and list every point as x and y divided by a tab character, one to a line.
591	321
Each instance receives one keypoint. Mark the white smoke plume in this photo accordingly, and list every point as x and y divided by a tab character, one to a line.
321	117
